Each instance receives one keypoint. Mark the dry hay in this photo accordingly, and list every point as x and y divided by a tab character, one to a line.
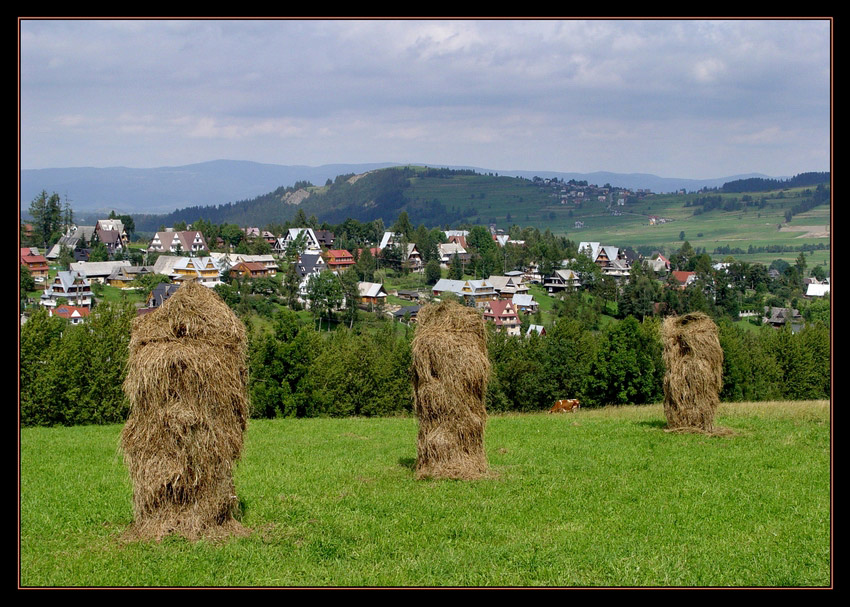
694	376
186	382
450	372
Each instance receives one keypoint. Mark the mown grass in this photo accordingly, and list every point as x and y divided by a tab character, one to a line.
599	498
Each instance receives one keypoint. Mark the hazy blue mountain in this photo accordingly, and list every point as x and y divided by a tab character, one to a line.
164	189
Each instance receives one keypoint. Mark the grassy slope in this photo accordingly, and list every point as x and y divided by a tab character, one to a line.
598	498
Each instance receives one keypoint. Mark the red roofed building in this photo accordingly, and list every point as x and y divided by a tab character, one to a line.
502	313
35	263
338	259
683	278
75	314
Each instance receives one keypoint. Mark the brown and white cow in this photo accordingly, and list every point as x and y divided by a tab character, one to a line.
570	405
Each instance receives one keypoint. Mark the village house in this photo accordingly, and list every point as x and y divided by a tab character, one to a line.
74	314
535	329
325	238
187	241
75	238
406	312
305	237
70	286
160	293
98	271
248	269
35	263
779	317
309	263
202	269
683	279
817	289
507	286
371	294
525	303
226	261
124	277
338	259
474	292
561	280
448	250
502	314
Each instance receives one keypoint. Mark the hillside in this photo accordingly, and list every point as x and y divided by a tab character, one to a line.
713	219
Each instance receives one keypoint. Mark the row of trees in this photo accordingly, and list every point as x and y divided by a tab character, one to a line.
73	374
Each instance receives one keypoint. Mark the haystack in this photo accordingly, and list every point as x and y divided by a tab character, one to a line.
694	376
450	373
186	382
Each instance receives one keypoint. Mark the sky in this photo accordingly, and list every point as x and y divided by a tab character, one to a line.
694	99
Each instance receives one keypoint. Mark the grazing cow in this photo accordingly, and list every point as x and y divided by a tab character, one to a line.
570	405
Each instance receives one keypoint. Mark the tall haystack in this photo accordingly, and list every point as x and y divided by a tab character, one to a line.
450	373
186	381
694	376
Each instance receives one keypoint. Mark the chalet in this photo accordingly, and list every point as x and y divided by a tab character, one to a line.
473	292
372	294
448	250
124	277
503	314
226	261
683	279
160	293
309	263
71	286
35	263
561	280
779	317
338	259
325	238
202	269
98	271
817	290
659	264
409	295
76	237
409	312
525	303
187	241
303	238
535	329
75	314
248	269
507	286
617	269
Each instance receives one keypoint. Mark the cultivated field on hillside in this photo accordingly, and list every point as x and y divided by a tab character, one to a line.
601	497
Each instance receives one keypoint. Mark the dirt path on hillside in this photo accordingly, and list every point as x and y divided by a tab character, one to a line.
808	231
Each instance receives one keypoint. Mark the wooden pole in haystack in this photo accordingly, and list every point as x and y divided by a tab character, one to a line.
186	381
694	376
450	372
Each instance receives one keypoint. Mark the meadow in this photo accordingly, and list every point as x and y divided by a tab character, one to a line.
599	498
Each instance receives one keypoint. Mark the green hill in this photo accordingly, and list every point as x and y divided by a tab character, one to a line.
721	222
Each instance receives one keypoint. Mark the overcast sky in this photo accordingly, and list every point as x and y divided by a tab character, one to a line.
689	99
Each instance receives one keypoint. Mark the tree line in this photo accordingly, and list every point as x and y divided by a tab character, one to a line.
73	374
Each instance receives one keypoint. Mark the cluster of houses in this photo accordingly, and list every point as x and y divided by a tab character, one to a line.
501	299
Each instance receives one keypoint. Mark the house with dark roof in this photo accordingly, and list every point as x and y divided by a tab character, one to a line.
70	286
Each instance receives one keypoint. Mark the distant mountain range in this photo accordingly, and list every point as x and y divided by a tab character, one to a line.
164	189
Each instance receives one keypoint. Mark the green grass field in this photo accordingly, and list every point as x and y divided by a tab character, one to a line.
602	497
